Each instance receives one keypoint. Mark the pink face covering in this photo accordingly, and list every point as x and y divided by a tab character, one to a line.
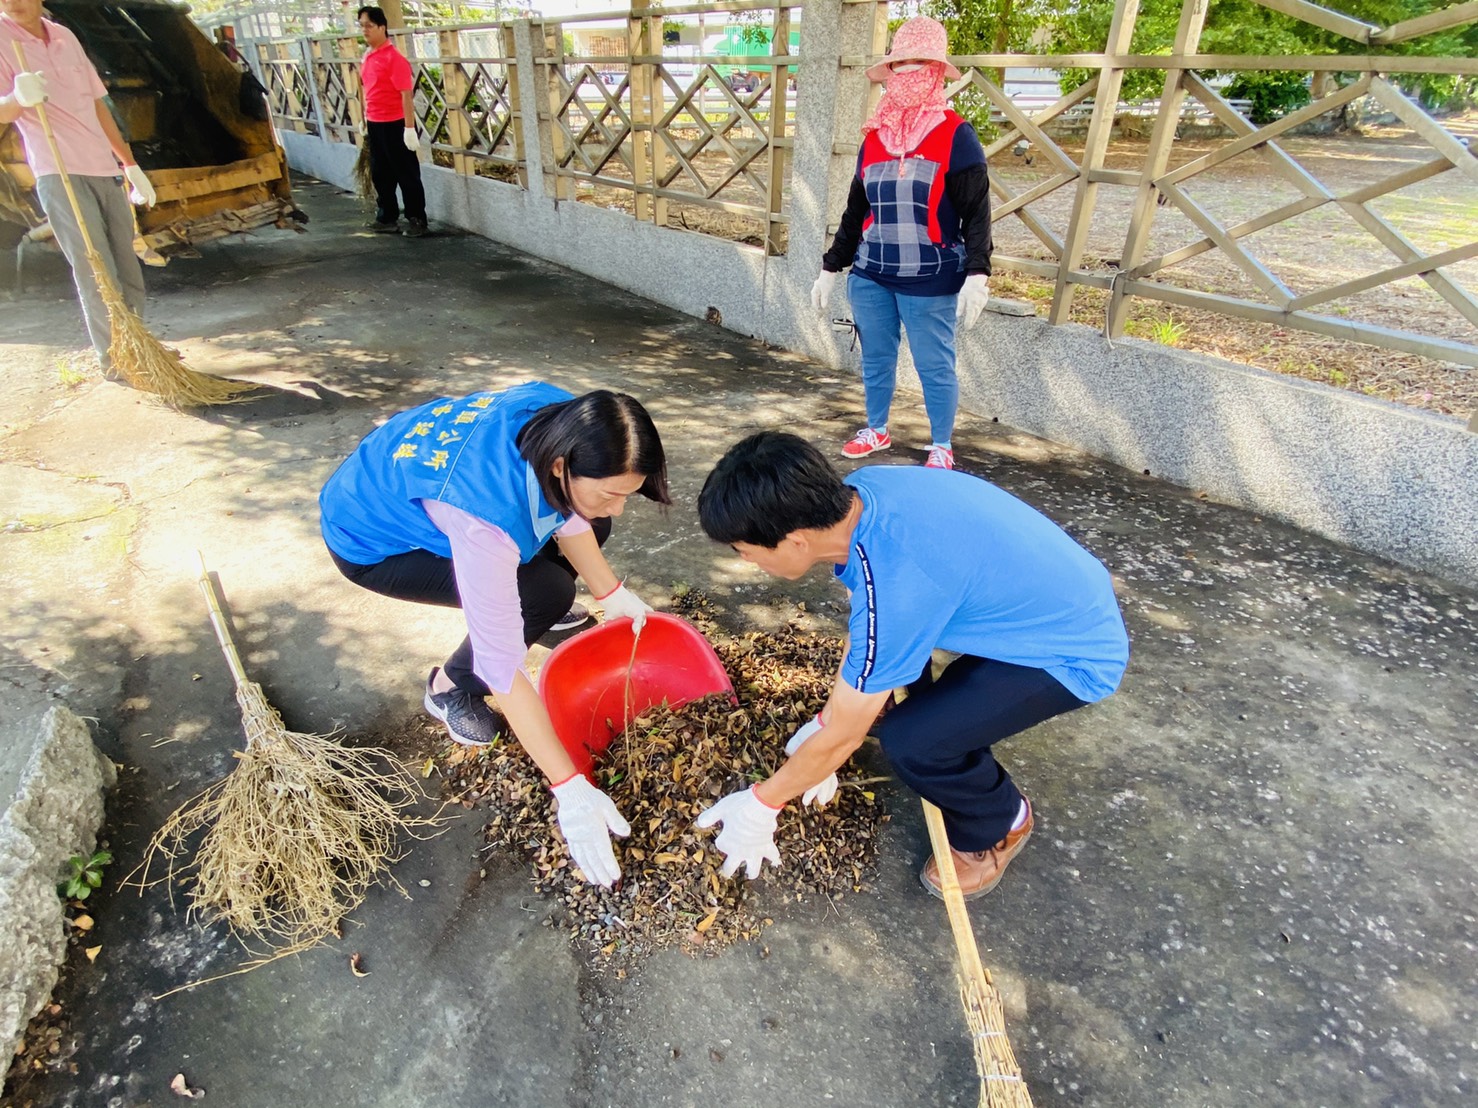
912	105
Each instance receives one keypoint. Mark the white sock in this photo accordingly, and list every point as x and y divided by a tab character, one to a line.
1020	817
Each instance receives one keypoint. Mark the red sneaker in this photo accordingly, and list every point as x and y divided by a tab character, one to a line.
867	441
940	457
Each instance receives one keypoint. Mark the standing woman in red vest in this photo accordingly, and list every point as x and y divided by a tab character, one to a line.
916	233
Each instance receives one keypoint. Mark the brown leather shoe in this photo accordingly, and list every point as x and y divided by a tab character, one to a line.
981	871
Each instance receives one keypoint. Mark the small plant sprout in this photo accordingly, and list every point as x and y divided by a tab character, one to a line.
1168	331
84	875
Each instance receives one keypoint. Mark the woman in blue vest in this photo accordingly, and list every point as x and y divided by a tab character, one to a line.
916	233
493	503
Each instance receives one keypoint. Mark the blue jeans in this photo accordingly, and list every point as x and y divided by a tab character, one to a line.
930	323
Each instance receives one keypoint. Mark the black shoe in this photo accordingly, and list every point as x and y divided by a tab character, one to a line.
391	228
573	618
415	228
468	718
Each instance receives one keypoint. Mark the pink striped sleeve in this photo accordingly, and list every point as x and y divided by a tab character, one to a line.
486	564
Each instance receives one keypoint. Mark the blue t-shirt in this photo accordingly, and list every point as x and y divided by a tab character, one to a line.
943	559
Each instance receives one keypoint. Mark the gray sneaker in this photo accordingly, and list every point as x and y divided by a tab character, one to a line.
467	717
415	228
391	228
573	618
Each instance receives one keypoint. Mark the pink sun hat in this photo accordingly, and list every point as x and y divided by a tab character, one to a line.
919	39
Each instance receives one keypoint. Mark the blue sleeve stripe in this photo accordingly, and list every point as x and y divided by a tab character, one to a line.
870	647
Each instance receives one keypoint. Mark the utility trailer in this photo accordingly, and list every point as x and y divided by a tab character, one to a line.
197	123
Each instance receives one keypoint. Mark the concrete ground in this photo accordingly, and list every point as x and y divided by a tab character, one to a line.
1252	879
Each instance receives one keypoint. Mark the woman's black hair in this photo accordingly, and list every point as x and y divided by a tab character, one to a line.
767	486
600	434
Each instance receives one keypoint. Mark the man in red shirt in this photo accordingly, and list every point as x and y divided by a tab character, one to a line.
390	128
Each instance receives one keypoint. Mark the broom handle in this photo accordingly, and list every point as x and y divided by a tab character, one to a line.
954	901
218	621
56	154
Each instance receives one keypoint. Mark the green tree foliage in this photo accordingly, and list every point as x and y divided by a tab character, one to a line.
1232	27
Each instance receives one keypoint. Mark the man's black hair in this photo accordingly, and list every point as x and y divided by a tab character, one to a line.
767	486
600	434
376	15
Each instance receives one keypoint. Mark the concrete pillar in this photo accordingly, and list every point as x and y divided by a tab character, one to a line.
533	105
830	105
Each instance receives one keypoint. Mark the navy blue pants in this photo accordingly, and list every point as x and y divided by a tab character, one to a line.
392	166
546	589
939	741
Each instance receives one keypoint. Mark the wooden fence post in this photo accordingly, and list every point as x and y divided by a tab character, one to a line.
455	88
552	142
643	136
1157	157
779	102
1100	130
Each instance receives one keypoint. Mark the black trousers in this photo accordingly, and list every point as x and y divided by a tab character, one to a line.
392	166
939	741
546	589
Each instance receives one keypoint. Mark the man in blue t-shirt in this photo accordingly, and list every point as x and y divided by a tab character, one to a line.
932	559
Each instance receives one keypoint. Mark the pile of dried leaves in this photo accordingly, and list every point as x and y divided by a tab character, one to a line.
662	772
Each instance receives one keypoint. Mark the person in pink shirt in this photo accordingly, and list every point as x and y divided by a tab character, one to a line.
58	74
493	503
390	128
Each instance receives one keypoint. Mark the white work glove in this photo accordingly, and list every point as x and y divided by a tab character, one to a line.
30	89
819	794
821	291
587	818
411	142
622	604
748	837
140	191
972	301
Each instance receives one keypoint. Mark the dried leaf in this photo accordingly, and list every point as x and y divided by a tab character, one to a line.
82	922
704	924
356	965
179	1088
428	767
92	953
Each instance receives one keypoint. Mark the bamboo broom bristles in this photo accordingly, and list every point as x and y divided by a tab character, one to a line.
1001	1083
294	836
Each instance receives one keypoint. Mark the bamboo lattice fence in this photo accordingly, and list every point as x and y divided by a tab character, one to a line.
667	130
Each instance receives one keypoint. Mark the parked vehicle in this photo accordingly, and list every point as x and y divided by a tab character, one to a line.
742	43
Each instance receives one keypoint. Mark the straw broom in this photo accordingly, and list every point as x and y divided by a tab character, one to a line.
146	363
364	181
295	835
1001	1083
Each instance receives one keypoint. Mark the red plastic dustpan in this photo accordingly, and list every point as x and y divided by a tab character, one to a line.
583	682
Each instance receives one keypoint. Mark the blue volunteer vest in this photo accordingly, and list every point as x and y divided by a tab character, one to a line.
461	452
